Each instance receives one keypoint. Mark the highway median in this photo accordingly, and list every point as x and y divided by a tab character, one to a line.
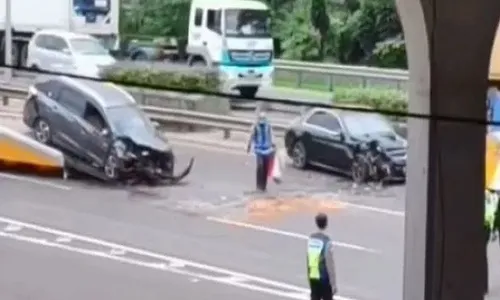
21	154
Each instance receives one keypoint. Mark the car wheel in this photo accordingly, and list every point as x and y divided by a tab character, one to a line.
42	131
299	155
359	169
111	167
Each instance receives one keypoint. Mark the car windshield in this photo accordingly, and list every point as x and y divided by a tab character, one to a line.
363	124
247	23
129	120
87	46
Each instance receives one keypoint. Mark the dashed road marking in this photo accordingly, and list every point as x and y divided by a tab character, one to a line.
287	233
93	247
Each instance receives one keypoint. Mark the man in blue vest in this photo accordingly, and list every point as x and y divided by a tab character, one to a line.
320	262
262	140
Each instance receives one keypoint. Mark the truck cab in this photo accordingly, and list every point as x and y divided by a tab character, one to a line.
235	37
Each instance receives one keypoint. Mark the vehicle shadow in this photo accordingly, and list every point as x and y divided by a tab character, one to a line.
345	178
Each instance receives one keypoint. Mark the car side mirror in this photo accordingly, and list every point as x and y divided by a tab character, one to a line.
66	51
155	124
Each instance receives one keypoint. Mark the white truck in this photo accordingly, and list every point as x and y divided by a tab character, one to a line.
232	35
95	17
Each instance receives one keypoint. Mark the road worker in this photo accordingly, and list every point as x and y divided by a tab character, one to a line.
261	138
320	262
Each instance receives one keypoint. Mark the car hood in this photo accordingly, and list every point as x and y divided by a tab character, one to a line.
388	141
145	138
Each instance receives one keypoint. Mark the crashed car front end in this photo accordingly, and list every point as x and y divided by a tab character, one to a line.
144	163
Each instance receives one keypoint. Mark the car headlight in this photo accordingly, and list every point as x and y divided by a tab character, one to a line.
120	148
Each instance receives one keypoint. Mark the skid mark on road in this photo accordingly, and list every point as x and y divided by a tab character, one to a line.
287	233
53	238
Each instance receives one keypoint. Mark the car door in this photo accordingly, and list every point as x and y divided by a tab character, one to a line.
72	107
335	149
58	56
96	140
39	52
317	134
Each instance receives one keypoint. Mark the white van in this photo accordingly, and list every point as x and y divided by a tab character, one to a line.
68	53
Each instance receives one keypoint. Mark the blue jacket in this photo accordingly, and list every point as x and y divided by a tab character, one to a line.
262	139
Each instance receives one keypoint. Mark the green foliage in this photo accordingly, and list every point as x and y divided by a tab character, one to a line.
391	53
303	41
383	99
165	79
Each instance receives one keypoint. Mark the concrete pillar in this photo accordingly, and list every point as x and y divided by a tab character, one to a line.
448	44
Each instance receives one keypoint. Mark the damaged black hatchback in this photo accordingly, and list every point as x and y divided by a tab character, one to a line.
101	130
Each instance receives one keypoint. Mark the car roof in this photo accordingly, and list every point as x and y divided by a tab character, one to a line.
106	94
338	111
63	33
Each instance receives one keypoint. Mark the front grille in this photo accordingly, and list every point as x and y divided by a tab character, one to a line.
250	56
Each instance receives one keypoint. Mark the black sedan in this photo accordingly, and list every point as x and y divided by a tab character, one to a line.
358	144
100	129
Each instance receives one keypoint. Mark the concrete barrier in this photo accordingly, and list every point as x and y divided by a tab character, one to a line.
21	153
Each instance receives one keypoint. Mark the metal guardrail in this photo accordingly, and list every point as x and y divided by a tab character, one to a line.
178	116
324	76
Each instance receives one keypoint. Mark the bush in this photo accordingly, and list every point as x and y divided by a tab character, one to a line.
188	80
377	98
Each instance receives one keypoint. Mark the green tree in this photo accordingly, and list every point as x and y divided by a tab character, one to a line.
321	21
300	40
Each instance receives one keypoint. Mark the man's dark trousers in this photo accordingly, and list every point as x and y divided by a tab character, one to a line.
263	162
320	290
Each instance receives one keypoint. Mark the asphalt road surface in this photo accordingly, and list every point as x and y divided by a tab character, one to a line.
210	237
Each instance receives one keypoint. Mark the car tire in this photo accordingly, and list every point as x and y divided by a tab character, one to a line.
359	169
42	131
111	167
299	155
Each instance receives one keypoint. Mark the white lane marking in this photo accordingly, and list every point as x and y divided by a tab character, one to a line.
35	181
12	228
63	239
287	233
396	213
244	281
116	251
